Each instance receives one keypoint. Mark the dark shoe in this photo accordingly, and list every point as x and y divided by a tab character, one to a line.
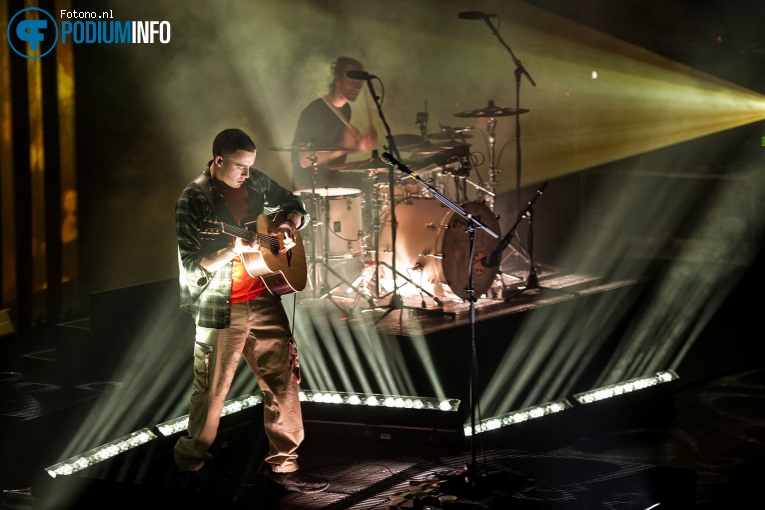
297	481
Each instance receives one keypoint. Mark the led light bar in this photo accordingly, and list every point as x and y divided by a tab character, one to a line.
520	416
614	390
373	400
180	424
101	453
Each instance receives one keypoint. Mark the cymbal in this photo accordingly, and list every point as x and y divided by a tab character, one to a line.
311	147
373	163
491	111
327	192
430	148
406	139
448	135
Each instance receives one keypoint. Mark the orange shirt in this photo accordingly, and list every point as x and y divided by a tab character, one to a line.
243	286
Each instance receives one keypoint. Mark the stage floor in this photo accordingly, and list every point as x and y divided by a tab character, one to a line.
706	454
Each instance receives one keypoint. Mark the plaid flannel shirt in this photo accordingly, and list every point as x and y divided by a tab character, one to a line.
206	295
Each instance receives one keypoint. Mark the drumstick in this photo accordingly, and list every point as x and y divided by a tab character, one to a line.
334	109
369	110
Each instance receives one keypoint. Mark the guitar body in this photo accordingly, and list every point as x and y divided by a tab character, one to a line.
282	273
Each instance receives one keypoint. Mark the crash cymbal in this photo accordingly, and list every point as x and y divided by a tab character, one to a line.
311	147
373	163
491	111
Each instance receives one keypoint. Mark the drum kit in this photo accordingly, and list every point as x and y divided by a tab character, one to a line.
430	255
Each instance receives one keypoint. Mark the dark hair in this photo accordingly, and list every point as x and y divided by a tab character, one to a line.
339	67
229	141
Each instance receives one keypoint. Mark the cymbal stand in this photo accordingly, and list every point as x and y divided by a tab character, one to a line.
313	158
395	302
519	70
492	184
325	291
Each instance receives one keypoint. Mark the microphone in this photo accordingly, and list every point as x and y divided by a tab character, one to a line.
475	15
390	160
359	75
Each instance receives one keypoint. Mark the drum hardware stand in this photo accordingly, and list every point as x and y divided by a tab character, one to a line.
367	275
532	280
362	281
490	125
435	299
422	120
313	158
481	189
396	303
325	291
472	476
519	70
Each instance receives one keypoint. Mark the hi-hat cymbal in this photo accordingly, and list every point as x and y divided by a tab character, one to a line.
491	111
311	147
373	163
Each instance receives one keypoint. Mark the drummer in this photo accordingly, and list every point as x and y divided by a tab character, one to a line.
325	122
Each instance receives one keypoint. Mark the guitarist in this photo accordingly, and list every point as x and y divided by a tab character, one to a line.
235	314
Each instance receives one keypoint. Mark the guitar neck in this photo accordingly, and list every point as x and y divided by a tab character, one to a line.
242	233
282	272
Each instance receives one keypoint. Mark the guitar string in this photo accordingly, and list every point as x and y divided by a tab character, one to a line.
269	240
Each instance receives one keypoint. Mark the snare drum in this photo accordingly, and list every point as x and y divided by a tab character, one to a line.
340	209
433	246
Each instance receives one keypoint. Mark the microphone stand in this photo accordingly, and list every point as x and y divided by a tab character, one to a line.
472	476
532	280
519	70
396	303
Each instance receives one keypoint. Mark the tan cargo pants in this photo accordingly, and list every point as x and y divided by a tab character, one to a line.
260	332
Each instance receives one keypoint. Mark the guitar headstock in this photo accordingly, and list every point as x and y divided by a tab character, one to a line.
210	229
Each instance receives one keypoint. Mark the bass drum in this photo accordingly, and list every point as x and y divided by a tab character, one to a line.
433	247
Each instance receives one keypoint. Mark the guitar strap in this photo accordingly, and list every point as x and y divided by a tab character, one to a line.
219	206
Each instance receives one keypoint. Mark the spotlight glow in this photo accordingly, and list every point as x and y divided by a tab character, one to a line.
520	416
630	386
101	453
235	405
393	401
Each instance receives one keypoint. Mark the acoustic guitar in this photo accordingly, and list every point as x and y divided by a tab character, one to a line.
282	273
